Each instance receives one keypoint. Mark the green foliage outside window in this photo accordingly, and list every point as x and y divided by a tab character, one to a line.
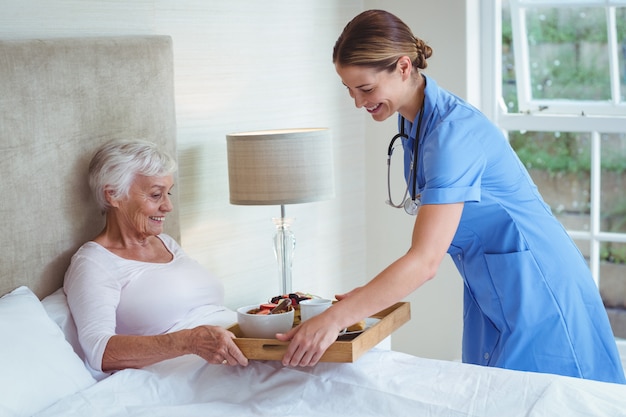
553	26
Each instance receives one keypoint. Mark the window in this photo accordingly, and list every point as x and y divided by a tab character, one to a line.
570	55
560	94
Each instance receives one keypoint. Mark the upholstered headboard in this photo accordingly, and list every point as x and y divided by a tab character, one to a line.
59	100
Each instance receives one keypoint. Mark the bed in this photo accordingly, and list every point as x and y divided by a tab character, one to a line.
59	100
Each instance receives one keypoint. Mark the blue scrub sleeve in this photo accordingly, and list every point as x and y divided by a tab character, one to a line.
453	164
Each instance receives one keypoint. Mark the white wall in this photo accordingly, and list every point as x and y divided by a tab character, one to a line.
248	65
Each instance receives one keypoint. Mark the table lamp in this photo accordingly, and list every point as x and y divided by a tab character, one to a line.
279	167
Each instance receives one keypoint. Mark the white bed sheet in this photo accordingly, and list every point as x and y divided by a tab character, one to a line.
381	383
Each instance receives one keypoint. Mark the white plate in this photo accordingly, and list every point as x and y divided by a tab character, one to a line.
369	322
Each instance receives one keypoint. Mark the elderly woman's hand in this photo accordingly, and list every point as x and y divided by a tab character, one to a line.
215	344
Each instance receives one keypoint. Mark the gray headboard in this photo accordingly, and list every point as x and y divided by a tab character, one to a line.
59	100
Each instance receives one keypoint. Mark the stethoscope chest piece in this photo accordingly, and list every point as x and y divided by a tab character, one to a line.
412	206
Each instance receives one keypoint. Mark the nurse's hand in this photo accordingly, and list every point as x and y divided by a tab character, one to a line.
309	340
340	297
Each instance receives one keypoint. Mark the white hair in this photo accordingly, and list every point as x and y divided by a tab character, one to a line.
115	165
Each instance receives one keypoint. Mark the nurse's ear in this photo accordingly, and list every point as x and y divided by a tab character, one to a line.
405	67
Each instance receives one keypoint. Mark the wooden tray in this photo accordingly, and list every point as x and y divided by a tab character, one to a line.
342	350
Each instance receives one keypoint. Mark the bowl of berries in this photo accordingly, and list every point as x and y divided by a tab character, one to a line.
263	321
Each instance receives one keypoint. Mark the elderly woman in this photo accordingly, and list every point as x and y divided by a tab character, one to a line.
135	296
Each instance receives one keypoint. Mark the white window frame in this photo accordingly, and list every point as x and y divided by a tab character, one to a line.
526	102
595	124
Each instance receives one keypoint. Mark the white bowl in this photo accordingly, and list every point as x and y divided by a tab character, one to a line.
261	326
313	307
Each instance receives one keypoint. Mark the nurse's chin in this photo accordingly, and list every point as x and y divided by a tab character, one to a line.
380	116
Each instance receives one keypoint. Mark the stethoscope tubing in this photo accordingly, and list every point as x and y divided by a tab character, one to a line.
410	202
406	192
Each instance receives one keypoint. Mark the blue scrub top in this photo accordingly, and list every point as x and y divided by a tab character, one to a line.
530	302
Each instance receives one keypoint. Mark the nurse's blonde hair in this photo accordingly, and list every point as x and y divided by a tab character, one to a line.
377	39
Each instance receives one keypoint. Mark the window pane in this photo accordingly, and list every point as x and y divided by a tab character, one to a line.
613	288
568	53
509	86
613	184
559	165
620	19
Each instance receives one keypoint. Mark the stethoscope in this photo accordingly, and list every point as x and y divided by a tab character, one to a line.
411	202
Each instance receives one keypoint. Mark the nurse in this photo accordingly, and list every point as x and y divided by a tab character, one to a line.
530	302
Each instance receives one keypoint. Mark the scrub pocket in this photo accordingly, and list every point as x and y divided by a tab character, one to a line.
536	337
525	298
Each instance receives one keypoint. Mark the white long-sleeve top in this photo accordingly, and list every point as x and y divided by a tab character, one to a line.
110	295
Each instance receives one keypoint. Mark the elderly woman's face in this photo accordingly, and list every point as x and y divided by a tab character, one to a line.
147	204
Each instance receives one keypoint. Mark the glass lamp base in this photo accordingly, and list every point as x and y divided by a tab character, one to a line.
284	248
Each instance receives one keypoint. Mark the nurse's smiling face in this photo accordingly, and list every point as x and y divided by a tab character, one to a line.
381	93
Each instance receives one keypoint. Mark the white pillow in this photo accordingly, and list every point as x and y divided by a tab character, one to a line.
59	311
37	365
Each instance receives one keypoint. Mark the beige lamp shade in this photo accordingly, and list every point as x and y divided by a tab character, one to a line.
286	166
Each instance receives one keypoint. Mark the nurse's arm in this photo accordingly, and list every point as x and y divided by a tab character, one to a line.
434	229
433	232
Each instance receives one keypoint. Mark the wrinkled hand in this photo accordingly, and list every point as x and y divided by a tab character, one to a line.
309	341
215	345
